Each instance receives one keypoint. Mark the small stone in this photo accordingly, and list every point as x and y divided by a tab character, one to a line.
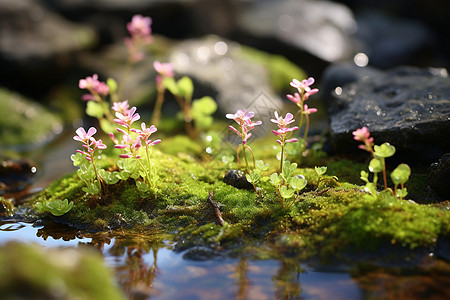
237	179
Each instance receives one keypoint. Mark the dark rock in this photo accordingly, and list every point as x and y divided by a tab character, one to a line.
36	44
440	177
237	179
340	74
407	107
15	175
443	248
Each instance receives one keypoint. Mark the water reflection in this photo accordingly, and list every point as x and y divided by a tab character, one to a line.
146	267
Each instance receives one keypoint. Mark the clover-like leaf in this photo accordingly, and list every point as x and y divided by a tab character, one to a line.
185	87
401	193
401	174
376	165
59	207
77	159
112	84
364	176
261	166
109	177
275	179
171	85
286	193
298	183
320	170
385	150
142	186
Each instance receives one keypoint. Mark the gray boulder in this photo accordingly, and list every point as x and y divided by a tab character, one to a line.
407	107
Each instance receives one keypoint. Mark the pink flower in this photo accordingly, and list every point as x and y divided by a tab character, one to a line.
308	111
363	135
82	135
145	134
164	69
88	83
128	142
121	107
296	98
102	88
98	144
127	119
244	120
304	87
283	129
139	26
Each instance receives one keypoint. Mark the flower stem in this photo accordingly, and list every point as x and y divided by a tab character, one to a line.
158	105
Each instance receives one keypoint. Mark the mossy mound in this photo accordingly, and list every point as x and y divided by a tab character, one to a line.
334	217
32	272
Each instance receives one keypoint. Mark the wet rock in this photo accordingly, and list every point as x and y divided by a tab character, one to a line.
237	179
407	107
322	28
15	176
440	177
25	124
234	74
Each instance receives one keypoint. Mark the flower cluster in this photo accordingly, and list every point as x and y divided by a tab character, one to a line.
363	135
304	92
283	129
89	142
244	120
97	89
164	70
140	31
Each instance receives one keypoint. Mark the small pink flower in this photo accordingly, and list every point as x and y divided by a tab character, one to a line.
139	26
121	107
102	89
304	87
145	134
244	120
98	144
283	129
308	111
88	83
127	119
164	69
82	135
296	98
361	134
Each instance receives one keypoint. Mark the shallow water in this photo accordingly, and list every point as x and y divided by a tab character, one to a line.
146	269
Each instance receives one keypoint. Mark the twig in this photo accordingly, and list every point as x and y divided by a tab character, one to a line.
215	207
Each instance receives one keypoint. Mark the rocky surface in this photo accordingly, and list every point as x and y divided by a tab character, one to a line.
407	107
440	177
322	28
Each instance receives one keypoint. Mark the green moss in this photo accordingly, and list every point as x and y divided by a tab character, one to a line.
335	217
30	272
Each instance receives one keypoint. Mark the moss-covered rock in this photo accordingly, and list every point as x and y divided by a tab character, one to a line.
328	218
32	272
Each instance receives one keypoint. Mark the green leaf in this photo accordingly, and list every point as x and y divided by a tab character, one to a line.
275	179
298	183
112	84
261	166
185	87
94	109
286	193
59	207
205	105
364	176
171	85
86	172
92	188
320	170
385	150
401	174
107	126
78	159
142	186
371	188
376	165
401	193
109	177
289	169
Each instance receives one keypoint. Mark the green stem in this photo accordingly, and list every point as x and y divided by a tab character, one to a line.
158	106
384	175
245	157
305	134
282	157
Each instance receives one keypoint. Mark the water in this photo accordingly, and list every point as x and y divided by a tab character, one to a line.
147	268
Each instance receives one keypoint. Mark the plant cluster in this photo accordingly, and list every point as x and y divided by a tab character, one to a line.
377	164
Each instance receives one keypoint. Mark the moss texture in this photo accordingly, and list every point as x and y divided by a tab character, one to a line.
336	216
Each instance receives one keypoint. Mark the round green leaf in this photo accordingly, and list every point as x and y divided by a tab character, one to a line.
401	174
385	150
376	165
321	170
94	109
